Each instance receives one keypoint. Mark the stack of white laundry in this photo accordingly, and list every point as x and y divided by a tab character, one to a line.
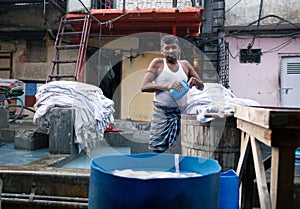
214	98
93	111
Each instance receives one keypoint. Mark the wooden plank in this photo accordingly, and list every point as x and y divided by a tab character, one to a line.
285	137
285	119
282	181
260	133
258	116
263	193
218	115
270	117
243	151
247	185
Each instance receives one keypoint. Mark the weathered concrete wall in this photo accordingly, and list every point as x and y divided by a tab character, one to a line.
247	11
27	70
4	118
24	23
30	18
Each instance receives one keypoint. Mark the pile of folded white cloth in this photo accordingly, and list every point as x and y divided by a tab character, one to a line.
93	111
10	83
214	98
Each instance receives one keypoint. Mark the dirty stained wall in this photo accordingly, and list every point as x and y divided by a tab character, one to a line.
28	70
245	12
29	23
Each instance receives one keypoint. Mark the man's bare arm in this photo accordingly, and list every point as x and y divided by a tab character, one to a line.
148	84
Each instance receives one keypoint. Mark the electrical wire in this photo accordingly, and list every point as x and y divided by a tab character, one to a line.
258	24
231	7
281	46
265	17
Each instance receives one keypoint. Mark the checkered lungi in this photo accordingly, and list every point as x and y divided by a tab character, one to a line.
165	127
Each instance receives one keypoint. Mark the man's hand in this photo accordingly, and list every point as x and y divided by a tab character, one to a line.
176	85
196	82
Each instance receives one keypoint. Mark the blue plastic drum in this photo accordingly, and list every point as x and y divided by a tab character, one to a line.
297	163
110	191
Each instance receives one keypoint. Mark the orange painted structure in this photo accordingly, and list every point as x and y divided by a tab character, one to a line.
180	22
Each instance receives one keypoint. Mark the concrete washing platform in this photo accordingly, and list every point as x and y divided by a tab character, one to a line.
47	182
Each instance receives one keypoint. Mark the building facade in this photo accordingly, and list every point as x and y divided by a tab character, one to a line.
264	48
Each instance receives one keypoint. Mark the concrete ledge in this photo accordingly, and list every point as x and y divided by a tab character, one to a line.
4	115
30	140
7	134
61	131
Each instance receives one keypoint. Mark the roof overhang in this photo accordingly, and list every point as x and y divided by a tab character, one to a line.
180	22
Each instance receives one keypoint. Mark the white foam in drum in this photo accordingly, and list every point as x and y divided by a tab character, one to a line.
153	174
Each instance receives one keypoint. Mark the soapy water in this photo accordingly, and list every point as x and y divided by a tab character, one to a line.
148	173
144	174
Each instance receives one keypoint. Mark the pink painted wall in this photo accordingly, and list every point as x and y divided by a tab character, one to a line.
260	82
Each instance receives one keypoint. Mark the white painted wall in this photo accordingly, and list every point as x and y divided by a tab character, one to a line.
134	4
259	81
243	12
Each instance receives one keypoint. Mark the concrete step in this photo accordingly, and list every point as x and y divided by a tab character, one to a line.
137	142
7	134
136	132
25	135
132	125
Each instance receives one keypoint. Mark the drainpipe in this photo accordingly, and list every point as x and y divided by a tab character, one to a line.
174	3
193	3
124	6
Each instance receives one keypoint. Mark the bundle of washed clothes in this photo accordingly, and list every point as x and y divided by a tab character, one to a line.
93	111
214	98
11	87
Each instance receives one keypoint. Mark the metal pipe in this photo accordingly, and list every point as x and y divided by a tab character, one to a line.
174	3
124	5
76	202
80	199
46	203
193	3
1	185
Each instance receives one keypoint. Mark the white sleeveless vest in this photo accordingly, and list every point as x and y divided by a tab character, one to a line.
164	98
